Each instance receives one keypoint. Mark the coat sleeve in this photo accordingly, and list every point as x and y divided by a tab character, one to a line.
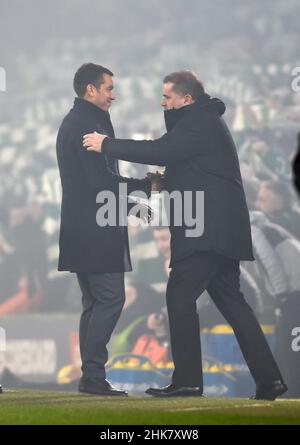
183	142
100	177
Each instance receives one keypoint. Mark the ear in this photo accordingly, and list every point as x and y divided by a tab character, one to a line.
90	90
188	99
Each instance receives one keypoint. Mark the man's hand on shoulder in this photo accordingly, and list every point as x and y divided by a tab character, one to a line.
93	141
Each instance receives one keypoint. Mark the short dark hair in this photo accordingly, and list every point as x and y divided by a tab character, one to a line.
86	74
186	82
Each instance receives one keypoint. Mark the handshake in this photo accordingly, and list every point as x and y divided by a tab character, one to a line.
93	142
157	181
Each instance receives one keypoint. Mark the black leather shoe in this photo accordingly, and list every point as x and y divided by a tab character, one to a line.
99	387
175	391
270	392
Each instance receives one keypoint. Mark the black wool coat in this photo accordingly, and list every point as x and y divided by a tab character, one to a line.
200	155
84	246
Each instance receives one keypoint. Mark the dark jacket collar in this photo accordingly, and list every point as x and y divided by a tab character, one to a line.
103	123
89	108
203	104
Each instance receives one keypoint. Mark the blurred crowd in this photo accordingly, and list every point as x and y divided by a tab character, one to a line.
263	114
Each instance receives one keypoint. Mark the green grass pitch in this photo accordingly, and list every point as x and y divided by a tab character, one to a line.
58	408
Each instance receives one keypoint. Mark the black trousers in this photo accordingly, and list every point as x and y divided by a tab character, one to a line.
220	276
103	297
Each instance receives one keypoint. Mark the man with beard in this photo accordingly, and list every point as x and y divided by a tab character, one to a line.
200	155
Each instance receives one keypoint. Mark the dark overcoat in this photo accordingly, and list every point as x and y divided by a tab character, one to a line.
84	246
200	155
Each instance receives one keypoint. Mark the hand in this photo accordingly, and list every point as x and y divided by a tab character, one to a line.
156	181
93	141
